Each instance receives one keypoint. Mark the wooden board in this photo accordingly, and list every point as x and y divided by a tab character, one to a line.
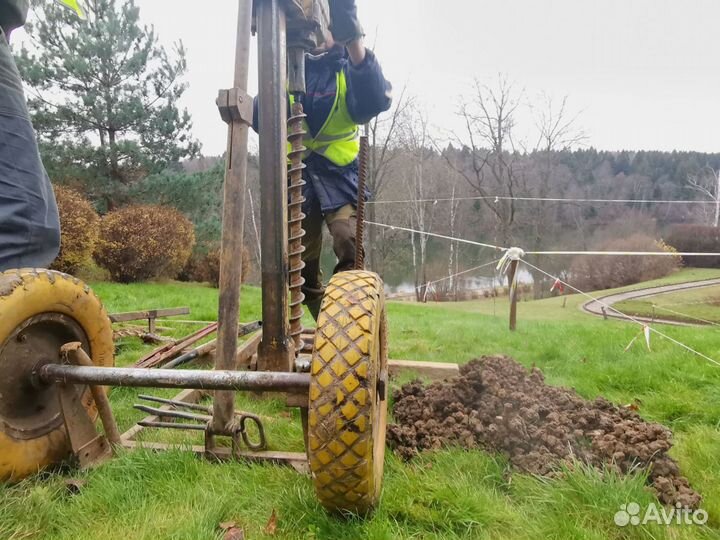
431	370
148	314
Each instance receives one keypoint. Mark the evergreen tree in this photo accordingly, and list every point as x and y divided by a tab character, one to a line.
104	97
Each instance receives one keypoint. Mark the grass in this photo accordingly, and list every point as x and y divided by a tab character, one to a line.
445	494
699	306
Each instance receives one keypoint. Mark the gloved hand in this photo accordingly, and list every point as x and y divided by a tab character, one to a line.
344	23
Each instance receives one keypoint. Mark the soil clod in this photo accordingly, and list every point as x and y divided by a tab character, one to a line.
497	404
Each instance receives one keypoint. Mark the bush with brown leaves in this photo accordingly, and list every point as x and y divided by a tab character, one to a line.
204	266
596	272
79	230
696	239
144	242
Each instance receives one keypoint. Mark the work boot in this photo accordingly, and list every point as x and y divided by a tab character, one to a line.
343	234
313	288
313	306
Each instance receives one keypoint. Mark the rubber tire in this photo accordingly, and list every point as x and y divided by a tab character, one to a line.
26	293
346	419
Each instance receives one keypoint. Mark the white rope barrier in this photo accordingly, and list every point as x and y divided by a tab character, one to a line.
498	248
626	316
435	235
498	198
429	283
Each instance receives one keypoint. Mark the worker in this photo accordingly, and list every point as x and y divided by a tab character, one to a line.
29	223
345	88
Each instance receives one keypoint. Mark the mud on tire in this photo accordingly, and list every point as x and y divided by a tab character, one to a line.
347	413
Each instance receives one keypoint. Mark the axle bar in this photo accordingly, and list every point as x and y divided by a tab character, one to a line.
170	378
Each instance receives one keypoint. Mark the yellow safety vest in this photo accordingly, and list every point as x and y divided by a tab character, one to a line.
339	138
75	6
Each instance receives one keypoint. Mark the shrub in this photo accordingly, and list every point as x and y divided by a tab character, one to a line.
696	239
79	230
144	241
595	272
204	266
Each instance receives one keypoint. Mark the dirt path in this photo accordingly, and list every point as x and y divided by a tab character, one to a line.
596	308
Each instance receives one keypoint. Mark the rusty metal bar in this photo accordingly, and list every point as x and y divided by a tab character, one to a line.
172	414
364	158
233	215
172	425
74	352
172	378
276	350
296	233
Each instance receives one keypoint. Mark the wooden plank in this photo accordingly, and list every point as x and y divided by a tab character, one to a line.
167	352
246	350
431	370
148	314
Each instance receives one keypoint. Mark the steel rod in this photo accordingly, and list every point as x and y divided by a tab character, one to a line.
75	353
176	403
171	378
233	221
275	352
172	425
172	413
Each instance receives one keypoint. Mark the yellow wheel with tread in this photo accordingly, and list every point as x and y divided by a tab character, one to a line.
347	411
40	310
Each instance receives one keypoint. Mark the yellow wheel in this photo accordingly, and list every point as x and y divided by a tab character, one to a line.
41	310
347	411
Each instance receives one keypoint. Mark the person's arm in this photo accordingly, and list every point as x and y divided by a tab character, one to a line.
368	92
13	14
356	51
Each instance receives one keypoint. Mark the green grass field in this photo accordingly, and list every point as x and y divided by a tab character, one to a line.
699	306
445	494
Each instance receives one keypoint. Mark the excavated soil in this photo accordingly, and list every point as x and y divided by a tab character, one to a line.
498	405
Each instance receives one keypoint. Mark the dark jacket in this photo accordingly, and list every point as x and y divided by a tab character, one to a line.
368	94
13	14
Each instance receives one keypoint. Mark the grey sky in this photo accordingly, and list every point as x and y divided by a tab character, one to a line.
643	74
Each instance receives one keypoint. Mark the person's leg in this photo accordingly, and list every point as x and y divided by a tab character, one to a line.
29	224
342	224
313	288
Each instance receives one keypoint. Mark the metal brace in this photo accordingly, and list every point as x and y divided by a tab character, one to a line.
235	105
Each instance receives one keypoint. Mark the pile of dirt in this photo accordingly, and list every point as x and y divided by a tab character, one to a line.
498	405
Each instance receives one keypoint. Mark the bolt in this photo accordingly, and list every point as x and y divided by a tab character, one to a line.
22	338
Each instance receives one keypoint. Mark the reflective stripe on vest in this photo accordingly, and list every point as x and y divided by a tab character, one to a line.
339	138
75	6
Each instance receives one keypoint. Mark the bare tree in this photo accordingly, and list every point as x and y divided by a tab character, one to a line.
382	133
557	131
415	140
707	182
489	118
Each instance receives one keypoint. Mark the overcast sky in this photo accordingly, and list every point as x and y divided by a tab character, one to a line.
642	74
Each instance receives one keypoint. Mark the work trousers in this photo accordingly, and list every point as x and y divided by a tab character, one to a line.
341	225
29	224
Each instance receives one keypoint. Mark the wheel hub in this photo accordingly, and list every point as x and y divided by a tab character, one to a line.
28	409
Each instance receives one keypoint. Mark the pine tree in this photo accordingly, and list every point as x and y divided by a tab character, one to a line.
104	97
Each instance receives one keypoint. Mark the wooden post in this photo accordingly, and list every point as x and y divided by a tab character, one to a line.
512	275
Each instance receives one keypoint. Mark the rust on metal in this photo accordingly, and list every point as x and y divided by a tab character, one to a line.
255	381
169	350
29	410
89	447
74	354
233	220
296	132
360	219
276	349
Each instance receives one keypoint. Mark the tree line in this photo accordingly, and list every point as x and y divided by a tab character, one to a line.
104	98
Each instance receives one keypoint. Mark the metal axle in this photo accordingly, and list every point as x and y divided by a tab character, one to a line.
169	378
